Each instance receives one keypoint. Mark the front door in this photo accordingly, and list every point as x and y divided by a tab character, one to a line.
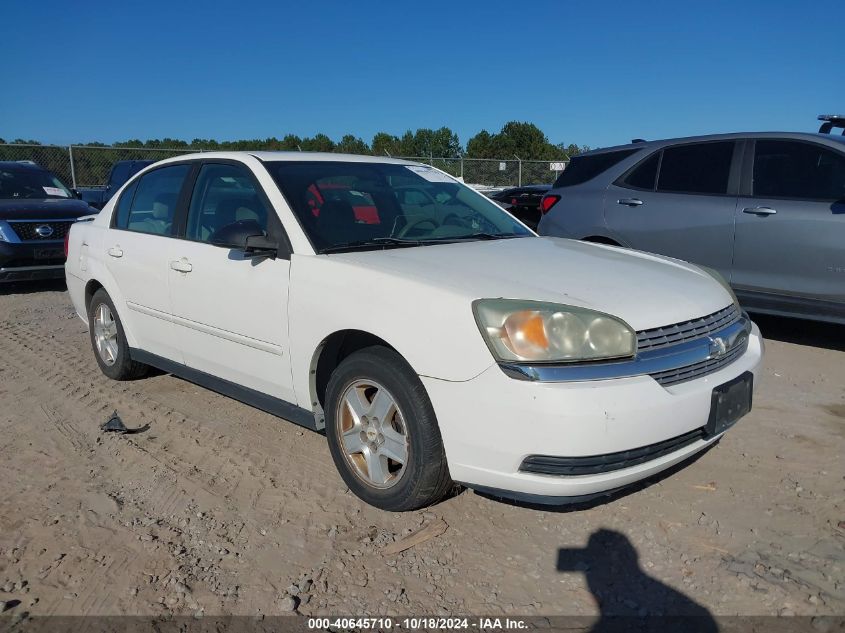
230	313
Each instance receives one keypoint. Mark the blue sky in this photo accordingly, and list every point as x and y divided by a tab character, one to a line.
594	73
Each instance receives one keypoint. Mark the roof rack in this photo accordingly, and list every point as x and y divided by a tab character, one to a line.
830	121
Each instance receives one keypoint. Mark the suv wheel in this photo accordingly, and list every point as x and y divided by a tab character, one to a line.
109	340
383	434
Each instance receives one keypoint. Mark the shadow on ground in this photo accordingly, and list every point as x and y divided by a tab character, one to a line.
29	287
628	598
802	331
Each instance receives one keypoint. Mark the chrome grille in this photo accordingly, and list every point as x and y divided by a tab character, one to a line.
26	231
696	370
658	337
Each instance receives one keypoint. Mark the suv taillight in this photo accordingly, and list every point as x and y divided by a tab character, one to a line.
67	238
548	202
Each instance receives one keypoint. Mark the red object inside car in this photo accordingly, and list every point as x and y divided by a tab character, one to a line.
364	213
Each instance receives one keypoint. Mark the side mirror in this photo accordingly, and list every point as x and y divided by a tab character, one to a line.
259	246
76	193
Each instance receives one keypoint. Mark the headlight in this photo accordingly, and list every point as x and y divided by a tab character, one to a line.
517	330
715	274
5	232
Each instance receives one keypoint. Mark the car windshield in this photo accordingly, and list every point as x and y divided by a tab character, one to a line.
363	206
16	183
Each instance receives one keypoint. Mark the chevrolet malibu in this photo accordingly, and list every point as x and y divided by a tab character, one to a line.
432	337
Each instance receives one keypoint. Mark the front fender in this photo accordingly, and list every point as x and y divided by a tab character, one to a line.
432	327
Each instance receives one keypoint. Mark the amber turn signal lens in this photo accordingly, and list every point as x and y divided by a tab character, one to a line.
525	333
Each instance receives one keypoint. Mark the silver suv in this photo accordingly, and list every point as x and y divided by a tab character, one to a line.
767	210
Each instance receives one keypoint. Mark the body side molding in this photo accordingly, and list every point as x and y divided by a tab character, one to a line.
263	401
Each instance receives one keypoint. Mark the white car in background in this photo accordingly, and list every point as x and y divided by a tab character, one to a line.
432	336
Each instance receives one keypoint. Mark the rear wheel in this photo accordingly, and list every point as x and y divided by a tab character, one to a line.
382	432
108	340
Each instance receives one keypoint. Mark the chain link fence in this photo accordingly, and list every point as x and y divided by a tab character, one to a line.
92	165
56	159
89	166
495	172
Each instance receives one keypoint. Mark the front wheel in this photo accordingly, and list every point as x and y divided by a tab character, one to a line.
383	434
108	339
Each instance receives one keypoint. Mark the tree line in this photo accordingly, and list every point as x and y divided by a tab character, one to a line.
516	139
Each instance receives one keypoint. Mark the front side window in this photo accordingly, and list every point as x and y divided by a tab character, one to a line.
19	183
153	204
225	200
703	168
583	168
365	206
789	169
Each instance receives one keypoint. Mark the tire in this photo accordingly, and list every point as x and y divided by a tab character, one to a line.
116	362
423	478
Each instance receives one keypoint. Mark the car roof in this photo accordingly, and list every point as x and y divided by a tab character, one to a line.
23	165
294	156
805	136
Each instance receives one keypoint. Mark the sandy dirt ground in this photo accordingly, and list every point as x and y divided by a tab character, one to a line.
221	509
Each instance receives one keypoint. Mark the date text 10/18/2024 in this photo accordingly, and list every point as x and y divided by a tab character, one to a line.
411	623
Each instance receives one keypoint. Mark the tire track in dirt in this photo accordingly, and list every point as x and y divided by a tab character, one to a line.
185	458
195	450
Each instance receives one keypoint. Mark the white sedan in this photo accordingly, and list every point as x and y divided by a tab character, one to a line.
430	335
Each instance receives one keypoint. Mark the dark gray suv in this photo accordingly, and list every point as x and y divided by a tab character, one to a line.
767	210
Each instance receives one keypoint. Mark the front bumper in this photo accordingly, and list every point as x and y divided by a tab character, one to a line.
31	261
491	423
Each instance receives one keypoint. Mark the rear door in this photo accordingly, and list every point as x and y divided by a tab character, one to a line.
790	234
136	246
230	312
679	201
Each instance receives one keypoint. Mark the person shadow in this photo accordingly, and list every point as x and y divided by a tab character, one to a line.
628	598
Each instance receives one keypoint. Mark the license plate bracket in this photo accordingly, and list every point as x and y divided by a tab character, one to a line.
728	403
47	253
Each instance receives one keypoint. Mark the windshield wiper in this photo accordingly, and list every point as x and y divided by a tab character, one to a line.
398	241
376	241
487	236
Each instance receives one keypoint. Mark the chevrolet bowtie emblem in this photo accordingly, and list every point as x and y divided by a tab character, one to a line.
718	346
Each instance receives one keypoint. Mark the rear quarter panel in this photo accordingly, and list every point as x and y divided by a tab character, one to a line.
86	262
578	214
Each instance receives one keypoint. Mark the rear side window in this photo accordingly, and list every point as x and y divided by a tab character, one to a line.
789	169
154	203
584	168
702	168
124	204
644	175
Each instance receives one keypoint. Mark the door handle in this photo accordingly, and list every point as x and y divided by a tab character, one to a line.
115	251
630	202
182	265
759	210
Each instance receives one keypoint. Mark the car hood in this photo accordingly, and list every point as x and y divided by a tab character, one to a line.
43	208
644	290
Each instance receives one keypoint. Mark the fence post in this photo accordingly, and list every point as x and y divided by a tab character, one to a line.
519	161
462	168
72	168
